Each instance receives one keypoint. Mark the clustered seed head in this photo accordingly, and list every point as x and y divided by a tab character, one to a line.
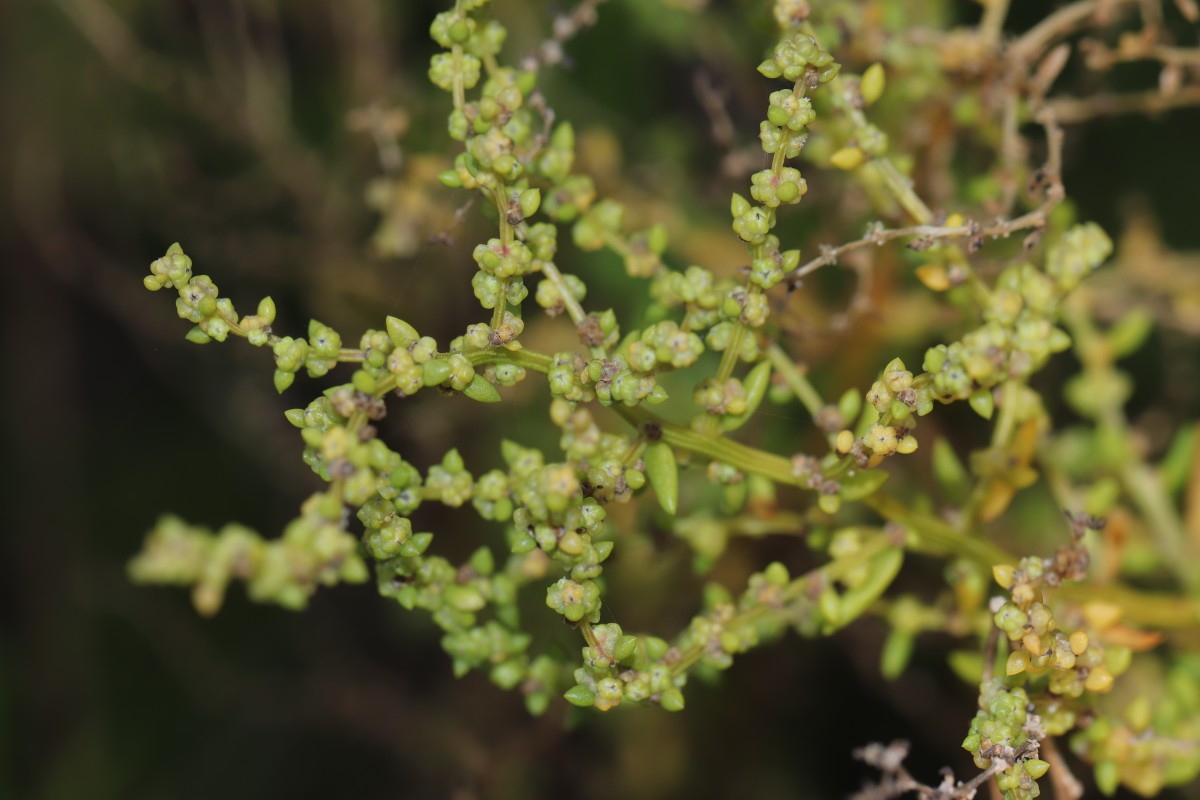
614	381
664	344
199	302
697	290
554	512
795	55
720	397
603	225
1074	660
999	733
550	297
1019	334
1145	746
314	550
1058	661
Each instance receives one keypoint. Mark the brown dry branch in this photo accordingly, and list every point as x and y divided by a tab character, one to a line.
1066	785
565	28
1071	111
897	781
736	162
923	236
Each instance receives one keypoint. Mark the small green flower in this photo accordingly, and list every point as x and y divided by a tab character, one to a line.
775	139
791	111
446	68
751	223
576	601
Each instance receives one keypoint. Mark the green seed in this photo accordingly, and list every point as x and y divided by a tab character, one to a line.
983	402
872	84
671	700
580	695
283	380
479	389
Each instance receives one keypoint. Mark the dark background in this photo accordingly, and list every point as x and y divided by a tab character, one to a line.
129	124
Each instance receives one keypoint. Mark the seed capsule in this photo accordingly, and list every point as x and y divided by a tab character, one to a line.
848	158
872	84
1099	680
1004	574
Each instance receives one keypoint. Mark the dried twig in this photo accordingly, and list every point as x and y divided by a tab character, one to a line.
923	237
1066	785
897	781
1071	111
736	161
565	28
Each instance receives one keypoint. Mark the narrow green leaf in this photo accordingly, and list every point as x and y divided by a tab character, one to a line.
897	650
663	474
862	483
197	336
1130	332
1177	463
950	473
882	571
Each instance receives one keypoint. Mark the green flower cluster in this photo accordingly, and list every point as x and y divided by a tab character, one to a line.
697	290
1073	661
554	511
315	550
603	225
998	733
400	360
1148	745
797	57
664	344
1017	338
199	302
1019	334
613	381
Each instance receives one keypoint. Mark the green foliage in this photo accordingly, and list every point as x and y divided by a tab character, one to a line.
1068	639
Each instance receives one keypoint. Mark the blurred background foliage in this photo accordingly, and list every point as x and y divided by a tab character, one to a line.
292	147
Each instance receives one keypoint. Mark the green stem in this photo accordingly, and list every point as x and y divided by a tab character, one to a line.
934	535
574	310
1145	608
900	186
796	380
1001	437
529	359
1007	420
939	534
1146	490
500	198
715	448
1142	485
795	590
